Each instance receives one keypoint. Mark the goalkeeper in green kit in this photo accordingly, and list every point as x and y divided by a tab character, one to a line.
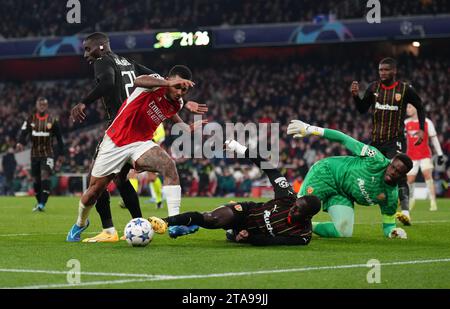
367	178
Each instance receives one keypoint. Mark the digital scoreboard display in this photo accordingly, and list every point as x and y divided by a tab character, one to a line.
182	39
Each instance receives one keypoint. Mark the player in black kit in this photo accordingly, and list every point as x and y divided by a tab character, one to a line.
389	98
114	77
42	127
285	220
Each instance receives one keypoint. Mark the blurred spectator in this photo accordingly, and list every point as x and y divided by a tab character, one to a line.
20	18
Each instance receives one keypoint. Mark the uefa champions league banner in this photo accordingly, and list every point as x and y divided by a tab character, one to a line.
240	36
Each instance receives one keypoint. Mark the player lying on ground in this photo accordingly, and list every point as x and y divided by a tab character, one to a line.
129	136
285	220
367	178
421	154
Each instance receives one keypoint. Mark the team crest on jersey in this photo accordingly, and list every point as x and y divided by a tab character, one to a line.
310	190
398	96
49	126
238	207
381	197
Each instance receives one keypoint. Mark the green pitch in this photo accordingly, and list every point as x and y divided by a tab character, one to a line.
34	253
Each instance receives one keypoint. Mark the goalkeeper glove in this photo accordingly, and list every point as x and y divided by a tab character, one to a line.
301	129
398	232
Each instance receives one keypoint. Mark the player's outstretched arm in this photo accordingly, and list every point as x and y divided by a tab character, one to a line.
149	82
188	127
300	129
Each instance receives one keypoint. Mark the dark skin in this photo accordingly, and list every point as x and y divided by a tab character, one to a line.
387	74
394	172
95	49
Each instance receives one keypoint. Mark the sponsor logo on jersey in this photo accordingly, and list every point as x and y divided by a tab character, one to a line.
39	133
310	190
398	96
362	189
386	107
267	222
238	207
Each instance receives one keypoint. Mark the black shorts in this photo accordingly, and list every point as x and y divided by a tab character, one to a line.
42	164
390	148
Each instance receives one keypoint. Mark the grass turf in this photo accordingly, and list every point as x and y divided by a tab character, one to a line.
34	253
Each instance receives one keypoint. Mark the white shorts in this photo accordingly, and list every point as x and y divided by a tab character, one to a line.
111	158
424	164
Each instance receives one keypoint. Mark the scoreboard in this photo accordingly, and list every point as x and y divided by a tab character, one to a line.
182	39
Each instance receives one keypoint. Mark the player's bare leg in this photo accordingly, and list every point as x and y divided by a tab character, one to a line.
96	187
411	183
157	160
428	176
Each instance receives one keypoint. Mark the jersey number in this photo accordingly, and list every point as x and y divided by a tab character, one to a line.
132	76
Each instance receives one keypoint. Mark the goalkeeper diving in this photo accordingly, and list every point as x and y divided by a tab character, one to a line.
366	178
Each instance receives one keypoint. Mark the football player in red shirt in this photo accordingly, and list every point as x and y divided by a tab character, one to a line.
421	154
129	138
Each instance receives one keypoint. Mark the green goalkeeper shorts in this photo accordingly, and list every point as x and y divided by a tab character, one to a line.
320	182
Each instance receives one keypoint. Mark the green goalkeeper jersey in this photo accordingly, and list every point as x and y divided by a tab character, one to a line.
358	178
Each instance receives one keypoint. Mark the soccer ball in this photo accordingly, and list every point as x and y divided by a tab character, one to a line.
138	232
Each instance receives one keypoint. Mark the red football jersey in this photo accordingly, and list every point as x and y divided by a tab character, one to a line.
140	115
423	150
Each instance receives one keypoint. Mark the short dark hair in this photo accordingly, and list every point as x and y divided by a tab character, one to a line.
405	160
180	70
98	37
391	61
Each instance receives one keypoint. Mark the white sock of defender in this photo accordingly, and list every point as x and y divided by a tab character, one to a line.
173	199
110	230
83	214
412	201
430	186
236	146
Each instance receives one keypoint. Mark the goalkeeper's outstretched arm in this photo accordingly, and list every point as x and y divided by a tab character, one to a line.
300	129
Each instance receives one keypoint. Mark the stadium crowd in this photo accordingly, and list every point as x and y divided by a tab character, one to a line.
276	91
20	18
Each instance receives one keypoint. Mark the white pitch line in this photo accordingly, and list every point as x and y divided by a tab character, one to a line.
412	222
62	272
148	277
41	234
